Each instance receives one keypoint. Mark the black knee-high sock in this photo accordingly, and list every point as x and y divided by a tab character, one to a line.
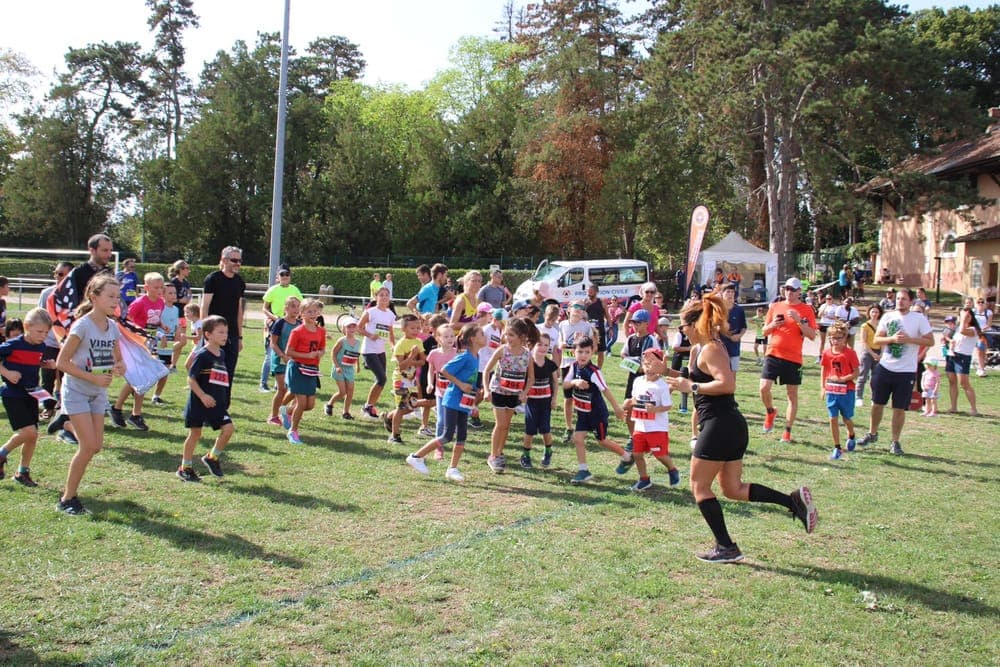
765	494
712	511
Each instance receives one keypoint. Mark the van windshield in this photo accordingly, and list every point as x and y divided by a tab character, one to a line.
549	272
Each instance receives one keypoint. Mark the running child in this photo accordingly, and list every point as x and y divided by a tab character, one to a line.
542	402
145	312
572	329
208	380
376	327
462	374
550	326
89	359
636	343
589	390
930	382
431	324
759	339
409	353
166	337
20	361
493	330
840	371
306	346
436	361
192	315
345	355
278	333
648	406
515	374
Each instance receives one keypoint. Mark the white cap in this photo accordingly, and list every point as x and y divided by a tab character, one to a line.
348	321
794	283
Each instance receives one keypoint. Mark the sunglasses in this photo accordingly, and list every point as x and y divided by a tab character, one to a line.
234	261
60	275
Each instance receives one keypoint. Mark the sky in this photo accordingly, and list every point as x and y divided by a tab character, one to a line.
403	41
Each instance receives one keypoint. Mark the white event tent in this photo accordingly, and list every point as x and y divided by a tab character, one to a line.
752	263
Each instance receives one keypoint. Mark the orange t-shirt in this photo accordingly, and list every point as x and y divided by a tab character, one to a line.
301	341
785	342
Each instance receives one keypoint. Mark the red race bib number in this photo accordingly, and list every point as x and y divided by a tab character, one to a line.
581	401
350	358
540	390
467	402
640	411
309	371
219	376
512	381
836	388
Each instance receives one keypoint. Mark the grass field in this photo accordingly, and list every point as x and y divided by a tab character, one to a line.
337	552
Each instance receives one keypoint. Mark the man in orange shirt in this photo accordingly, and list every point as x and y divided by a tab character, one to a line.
787	324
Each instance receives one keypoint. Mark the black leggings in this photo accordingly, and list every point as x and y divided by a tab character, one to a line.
376	364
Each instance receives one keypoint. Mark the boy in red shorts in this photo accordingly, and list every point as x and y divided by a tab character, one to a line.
649	404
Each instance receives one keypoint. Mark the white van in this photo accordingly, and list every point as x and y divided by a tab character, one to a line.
567	280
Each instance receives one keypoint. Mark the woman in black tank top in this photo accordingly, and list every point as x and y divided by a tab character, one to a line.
723	435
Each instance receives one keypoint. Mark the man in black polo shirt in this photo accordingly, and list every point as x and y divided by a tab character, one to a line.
100	248
224	296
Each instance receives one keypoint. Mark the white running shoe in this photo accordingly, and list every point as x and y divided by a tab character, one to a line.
454	475
417	464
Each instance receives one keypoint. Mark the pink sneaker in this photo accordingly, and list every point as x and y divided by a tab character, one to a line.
274	420
439	453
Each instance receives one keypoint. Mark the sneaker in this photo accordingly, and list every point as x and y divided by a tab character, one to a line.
158	401
769	421
721	555
73	506
213	465
859	402
568	437
117	417
547	458
980	373
57	424
417	464
475	423
526	461
851	444
348	416
387	422
519	409
496	464
804	510
786	437
439	454
274	421
452	474
368	412
581	477
624	464
675	477
138	422
328	410
628	444
394	440
683	411
837	454
188	474
869	439
264	389
426	432
68	438
286	421
642	485
293	437
24	479
894	448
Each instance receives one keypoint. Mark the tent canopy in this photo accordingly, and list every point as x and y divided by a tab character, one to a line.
749	260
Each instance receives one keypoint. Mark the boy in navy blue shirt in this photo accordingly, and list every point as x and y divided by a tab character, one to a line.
589	389
20	359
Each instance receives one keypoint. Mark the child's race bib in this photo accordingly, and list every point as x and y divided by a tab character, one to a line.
641	411
631	365
383	330
350	358
218	376
468	402
441	385
837	388
309	370
581	401
512	380
541	390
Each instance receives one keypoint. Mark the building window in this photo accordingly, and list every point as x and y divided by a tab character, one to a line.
976	274
948	245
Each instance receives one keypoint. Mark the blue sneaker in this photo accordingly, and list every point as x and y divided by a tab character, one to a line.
851	443
293	437
581	477
683	411
675	477
837	454
286	421
68	438
547	457
642	485
624	464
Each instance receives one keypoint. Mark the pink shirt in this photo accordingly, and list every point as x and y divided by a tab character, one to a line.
436	360
145	312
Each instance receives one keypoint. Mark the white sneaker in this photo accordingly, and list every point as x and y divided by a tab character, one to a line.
859	402
519	409
417	464
453	475
981	373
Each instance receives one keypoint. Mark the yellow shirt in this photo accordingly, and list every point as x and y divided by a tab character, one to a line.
402	349
868	333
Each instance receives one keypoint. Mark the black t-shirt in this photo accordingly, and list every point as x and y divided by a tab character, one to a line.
226	294
81	275
183	288
596	315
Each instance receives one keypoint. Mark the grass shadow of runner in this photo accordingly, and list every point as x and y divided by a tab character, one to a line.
287	498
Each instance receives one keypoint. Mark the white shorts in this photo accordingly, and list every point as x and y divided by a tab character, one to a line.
75	403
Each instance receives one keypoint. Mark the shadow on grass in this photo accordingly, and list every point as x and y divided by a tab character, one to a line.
13	654
284	497
158	524
893	462
165	460
936	600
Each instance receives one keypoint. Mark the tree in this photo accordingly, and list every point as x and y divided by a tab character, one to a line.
169	18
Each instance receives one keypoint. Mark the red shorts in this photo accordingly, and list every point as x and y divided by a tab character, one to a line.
656	443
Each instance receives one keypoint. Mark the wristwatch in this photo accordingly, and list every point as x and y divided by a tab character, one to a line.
694	387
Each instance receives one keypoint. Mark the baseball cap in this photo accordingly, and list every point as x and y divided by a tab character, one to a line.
640	316
484	308
656	353
519	304
793	283
950	318
349	322
663	322
499	314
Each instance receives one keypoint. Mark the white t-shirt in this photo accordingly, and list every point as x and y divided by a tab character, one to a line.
380	322
845	315
652	394
827	314
494	339
553	333
902	357
568	334
94	354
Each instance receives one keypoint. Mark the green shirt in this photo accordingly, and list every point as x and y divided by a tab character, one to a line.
373	287
276	295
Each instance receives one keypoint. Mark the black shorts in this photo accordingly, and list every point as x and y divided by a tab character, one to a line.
782	370
823	328
509	401
886	383
722	438
760	341
196	415
21	411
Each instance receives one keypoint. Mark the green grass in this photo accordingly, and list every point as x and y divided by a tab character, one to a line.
337	552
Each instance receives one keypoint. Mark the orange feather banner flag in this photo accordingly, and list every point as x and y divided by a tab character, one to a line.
699	223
